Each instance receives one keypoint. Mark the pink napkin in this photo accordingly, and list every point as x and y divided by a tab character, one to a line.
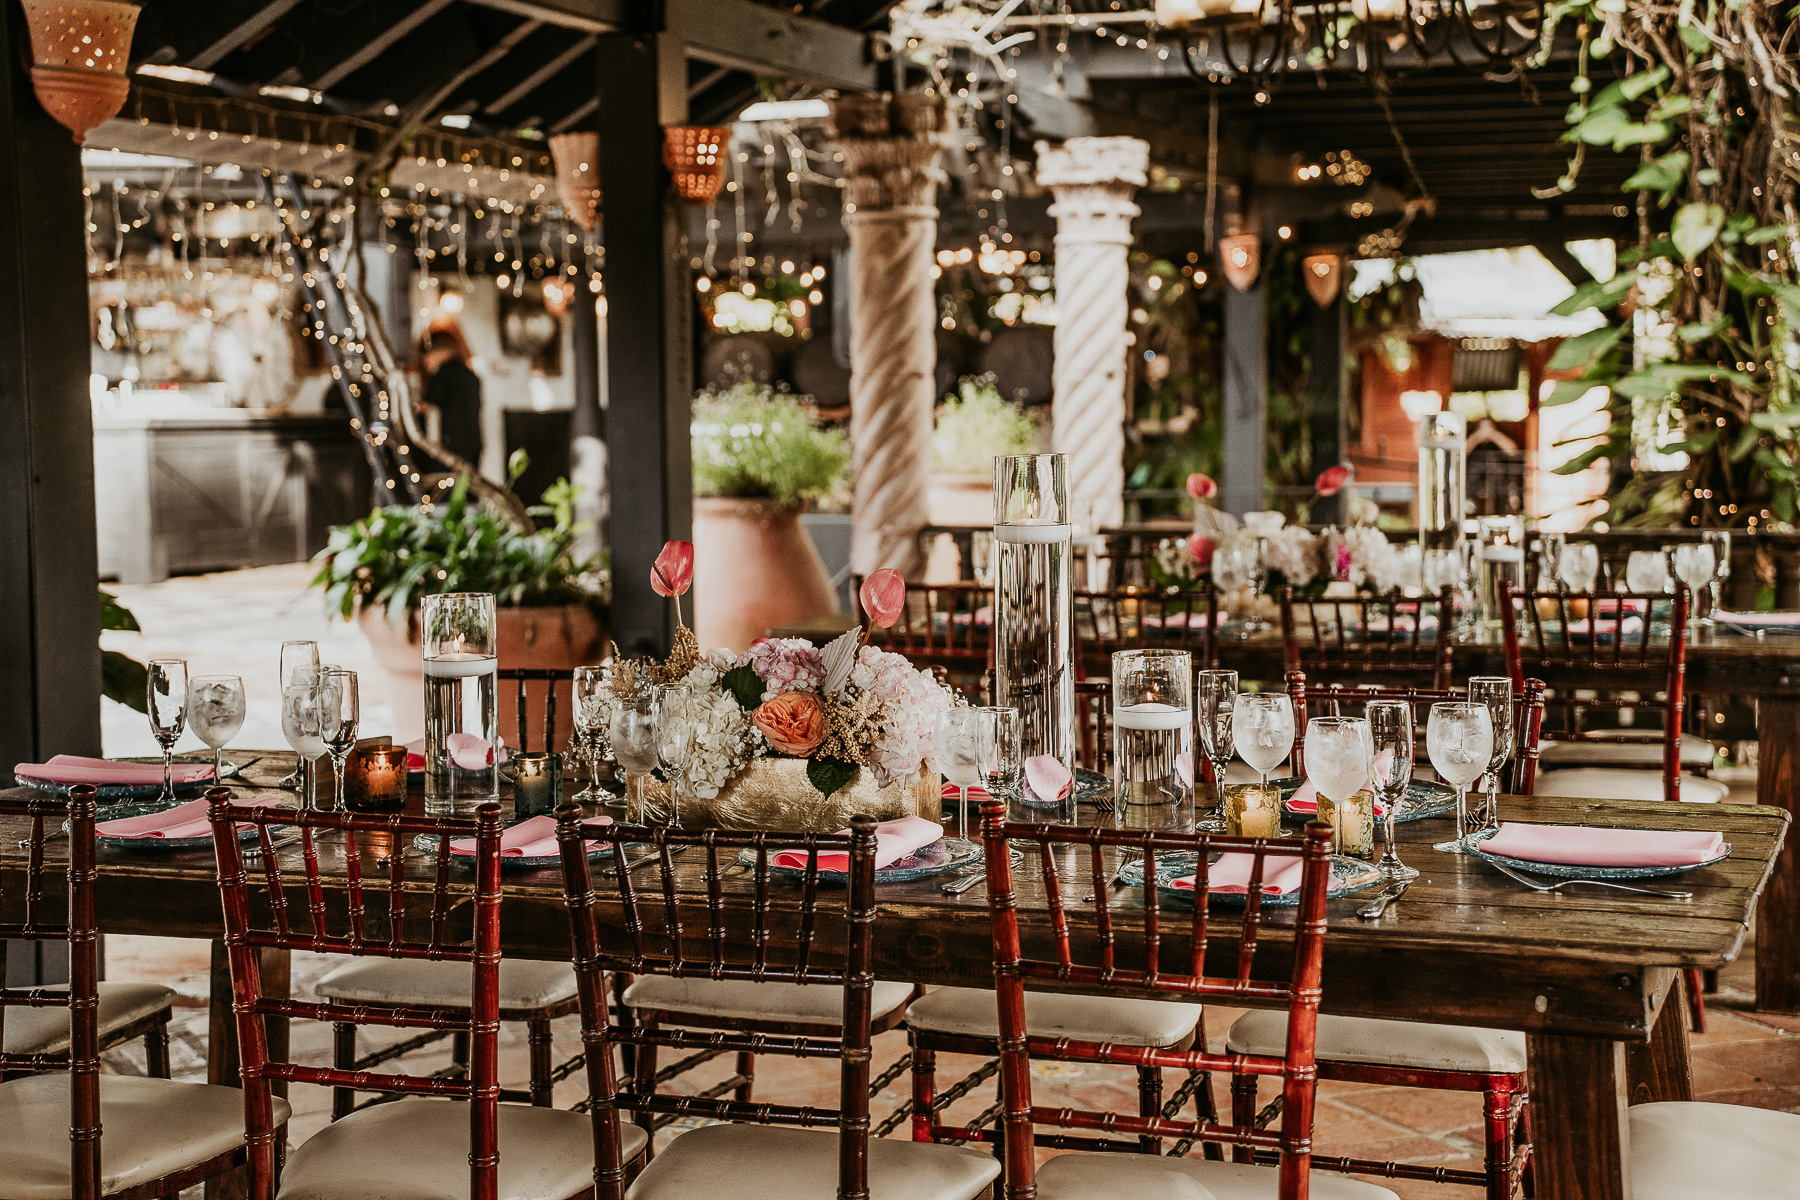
1231	875
981	616
894	840
466	751
1180	620
73	769
1402	623
1047	778
1306	800
1770	619
1608	624
1586	846
183	821
977	793
534	837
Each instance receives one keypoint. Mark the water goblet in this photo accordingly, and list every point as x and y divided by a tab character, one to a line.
1720	541
1215	701
296	656
1696	565
1233	567
303	725
956	743
340	712
216	710
1390	770
632	730
677	710
1647	572
1337	765
1495	691
1459	737
1262	725
1579	564
592	702
1554	544
166	695
1002	735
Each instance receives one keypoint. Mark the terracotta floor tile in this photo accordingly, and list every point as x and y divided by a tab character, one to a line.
1418	1109
1784	1099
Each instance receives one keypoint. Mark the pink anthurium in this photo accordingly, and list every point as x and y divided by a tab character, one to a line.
883	597
673	569
1331	480
1201	487
1200	548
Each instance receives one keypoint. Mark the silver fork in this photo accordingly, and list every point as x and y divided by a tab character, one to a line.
1551	887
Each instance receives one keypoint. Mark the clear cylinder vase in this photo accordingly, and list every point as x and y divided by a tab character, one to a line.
462	734
1034	671
1442	487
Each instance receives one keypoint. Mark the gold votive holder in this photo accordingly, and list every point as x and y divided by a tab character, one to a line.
537	783
1352	824
1252	810
375	779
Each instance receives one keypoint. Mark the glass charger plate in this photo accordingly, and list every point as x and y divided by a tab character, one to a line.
144	808
1574	871
114	793
1347	875
1088	786
427	843
1423	799
947	854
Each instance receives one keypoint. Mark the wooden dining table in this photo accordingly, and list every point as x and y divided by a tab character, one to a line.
1587	974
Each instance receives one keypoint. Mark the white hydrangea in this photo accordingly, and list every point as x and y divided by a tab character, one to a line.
724	739
1374	560
911	702
1294	551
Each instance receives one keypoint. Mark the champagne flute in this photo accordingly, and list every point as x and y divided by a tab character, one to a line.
166	695
340	713
216	708
1337	765
956	744
675	704
591	726
1579	565
1001	740
1390	770
1215	700
632	730
296	656
302	724
1495	691
1263	727
1460	739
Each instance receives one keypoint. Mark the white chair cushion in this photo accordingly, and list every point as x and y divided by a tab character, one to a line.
1620	783
807	1004
524	982
1386	1043
151	1128
767	1162
1605	748
419	1150
46	1030
1110	1176
972	1012
1684	1150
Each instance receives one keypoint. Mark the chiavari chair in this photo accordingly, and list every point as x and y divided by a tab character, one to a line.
420	1144
1197	956
536	688
943	625
72	1131
1386	639
810	947
1138	618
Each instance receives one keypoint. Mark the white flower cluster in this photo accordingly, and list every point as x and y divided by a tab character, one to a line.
724	740
1375	561
911	702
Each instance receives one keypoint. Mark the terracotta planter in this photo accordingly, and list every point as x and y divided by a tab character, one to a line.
754	568
774	794
962	500
563	637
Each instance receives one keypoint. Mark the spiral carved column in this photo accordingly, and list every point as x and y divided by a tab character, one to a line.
890	146
1094	179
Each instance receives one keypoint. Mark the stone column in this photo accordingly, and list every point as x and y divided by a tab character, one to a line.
890	146
1094	179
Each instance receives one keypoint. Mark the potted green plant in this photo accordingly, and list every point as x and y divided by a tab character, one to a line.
974	427
760	457
551	603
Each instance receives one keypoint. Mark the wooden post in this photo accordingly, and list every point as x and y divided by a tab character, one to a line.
1578	1125
1778	915
1327	392
649	333
1246	376
49	611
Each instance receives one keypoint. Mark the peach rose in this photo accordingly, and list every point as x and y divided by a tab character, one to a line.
794	722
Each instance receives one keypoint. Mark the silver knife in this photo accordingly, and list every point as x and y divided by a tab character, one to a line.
1379	905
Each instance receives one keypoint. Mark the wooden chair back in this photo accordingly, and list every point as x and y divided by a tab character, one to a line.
1209	956
1093	724
1128	618
820	936
943	625
1384	638
374	922
1603	639
1334	699
72	921
535	689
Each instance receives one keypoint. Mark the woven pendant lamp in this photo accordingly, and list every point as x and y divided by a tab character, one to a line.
695	157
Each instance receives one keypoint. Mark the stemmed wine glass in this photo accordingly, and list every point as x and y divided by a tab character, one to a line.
1697	566
1233	566
1337	764
166	693
1460	739
675	705
216	709
1720	541
303	725
1495	691
1003	759
632	731
590	692
1554	544
340	712
1263	727
1390	770
1579	564
1215	700
958	745
1647	571
296	656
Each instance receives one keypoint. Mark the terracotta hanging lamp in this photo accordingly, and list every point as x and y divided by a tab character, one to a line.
1324	274
78	55
695	157
1240	257
577	158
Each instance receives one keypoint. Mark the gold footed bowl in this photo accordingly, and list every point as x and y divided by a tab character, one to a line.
775	794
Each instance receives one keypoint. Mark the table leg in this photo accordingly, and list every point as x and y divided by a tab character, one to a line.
1659	1069
1778	916
222	1062
1578	1129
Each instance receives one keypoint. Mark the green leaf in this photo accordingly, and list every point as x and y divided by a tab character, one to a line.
1781	499
1662	175
1746	442
1766	233
1596	294
1599	127
124	679
829	774
1586	459
114	615
1633	134
1663	379
1580	351
1699	332
1696	40
1672	105
744	683
1634	86
1567	391
1696	226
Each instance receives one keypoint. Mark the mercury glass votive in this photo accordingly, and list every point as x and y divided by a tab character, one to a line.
1352	824
1253	810
537	784
375	779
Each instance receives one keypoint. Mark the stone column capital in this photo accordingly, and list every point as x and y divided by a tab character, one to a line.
890	146
1094	179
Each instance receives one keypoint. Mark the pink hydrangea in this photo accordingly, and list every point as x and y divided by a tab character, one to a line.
786	665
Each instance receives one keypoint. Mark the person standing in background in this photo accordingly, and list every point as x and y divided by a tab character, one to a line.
453	388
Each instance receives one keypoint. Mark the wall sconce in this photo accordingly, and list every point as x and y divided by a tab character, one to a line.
78	52
1324	274
695	156
577	157
1240	257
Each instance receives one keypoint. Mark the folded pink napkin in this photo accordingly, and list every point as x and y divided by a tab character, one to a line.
1587	846
1401	623
981	616
73	769
1608	624
183	821
1758	618
977	793
1181	620
1231	875
1306	800
894	840
1047	778
534	837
